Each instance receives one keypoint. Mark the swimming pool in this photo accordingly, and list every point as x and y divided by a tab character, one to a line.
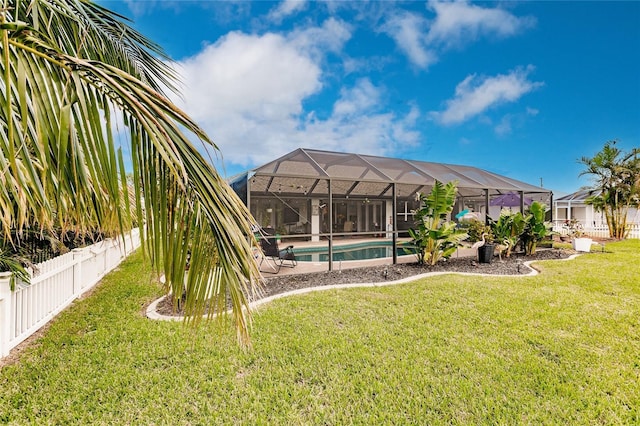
359	251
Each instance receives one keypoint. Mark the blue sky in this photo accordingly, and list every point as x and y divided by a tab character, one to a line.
520	88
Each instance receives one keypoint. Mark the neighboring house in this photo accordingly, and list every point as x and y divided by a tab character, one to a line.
574	206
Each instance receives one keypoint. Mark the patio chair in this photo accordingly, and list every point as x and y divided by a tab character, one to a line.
270	249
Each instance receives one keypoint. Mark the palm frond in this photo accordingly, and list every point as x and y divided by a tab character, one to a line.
64	73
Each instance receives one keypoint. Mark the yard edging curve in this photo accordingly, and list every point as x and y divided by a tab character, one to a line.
154	315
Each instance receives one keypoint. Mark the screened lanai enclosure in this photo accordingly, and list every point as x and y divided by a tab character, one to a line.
313	194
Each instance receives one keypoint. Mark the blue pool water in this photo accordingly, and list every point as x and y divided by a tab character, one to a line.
348	252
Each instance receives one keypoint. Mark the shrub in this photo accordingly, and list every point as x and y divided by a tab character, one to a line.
434	237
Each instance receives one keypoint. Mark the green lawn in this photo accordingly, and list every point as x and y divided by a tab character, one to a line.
559	348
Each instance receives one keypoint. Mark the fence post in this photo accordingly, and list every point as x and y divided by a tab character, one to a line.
5	312
78	255
106	250
115	253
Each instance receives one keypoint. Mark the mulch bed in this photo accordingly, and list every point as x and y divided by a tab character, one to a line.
513	265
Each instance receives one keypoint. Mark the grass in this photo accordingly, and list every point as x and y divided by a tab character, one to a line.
562	347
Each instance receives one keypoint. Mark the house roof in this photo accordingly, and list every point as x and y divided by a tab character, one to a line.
308	171
579	196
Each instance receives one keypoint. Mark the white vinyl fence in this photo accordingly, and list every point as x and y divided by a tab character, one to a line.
597	231
54	285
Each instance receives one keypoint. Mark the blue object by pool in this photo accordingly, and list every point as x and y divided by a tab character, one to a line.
462	213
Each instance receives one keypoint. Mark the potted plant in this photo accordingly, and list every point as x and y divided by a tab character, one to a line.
485	252
579	240
482	237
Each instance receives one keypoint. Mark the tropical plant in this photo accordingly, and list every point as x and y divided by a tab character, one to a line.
574	228
11	262
507	229
617	184
72	72
476	228
436	238
20	253
535	228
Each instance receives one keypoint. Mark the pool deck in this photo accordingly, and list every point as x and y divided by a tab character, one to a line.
307	267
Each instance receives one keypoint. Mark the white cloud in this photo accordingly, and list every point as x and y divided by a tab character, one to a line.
365	132
514	120
504	127
286	8
460	22
248	93
408	31
250	75
358	124
317	41
403	130
474	95
140	7
455	24
362	97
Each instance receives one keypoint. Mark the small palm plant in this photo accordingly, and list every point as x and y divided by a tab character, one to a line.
12	262
507	229
535	228
434	237
9	263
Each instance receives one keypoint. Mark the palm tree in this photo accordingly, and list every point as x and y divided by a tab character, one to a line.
617	181
72	71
